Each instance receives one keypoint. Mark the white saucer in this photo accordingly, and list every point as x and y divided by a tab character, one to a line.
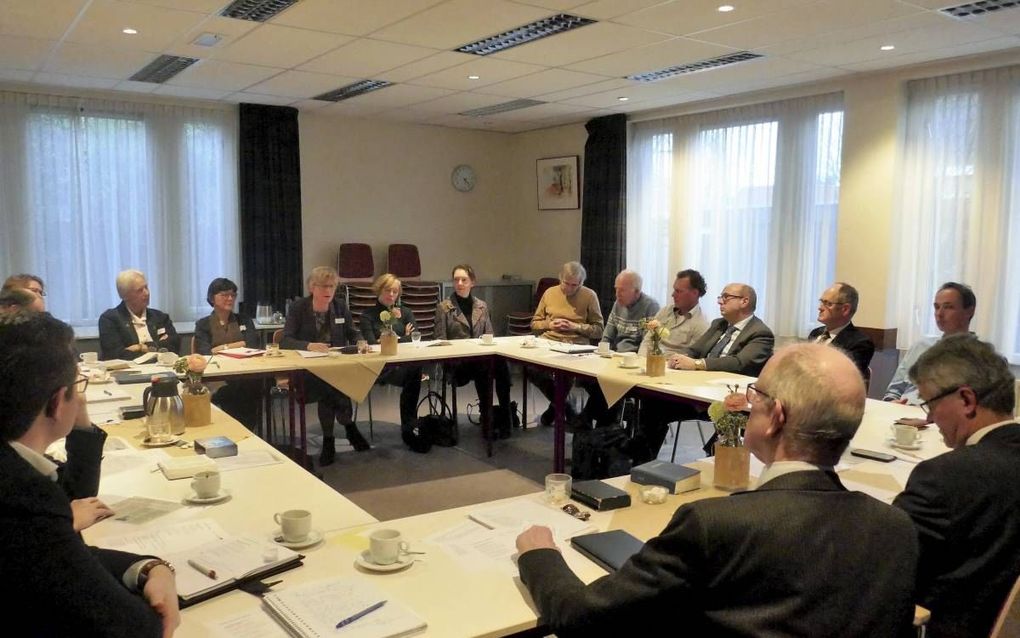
482	343
98	382
526	347
194	499
314	538
364	560
900	446
605	356
171	441
633	367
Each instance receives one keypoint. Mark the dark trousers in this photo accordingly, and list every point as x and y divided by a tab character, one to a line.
240	399
478	371
331	403
408	378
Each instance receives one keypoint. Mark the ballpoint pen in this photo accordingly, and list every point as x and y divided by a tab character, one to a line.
360	614
107	393
202	569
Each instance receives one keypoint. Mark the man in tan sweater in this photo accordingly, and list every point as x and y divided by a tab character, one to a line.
569	313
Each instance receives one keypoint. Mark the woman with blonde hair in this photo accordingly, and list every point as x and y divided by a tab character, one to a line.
317	322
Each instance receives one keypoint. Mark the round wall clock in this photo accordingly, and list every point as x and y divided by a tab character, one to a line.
463	178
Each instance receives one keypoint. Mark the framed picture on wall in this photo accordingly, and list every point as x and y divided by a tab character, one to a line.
558	183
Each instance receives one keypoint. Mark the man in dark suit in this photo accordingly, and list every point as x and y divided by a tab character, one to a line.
736	342
69	587
798	556
836	309
133	328
966	503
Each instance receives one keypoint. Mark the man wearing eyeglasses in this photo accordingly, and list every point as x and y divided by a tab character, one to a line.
954	308
31	283
69	587
965	504
836	308
797	556
133	328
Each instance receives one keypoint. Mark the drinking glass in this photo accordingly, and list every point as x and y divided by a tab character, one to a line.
416	338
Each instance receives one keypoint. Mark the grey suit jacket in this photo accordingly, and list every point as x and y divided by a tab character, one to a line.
966	507
452	324
748	354
800	556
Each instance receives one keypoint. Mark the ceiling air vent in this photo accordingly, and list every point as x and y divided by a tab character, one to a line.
255	10
980	8
352	90
163	68
502	108
694	67
526	33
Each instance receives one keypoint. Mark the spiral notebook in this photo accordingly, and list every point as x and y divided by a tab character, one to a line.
313	610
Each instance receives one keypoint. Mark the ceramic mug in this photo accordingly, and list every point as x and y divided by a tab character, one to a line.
89	358
206	484
603	347
295	525
386	546
906	434
487	338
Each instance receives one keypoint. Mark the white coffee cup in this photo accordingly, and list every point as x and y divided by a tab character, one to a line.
386	546
529	342
295	525
89	358
99	374
166	358
906	434
206	484
487	338
629	360
603	347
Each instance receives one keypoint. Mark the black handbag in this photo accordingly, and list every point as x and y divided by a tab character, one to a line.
438	424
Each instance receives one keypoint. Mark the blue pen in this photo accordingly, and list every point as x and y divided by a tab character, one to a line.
360	614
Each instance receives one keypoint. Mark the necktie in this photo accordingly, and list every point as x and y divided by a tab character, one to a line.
721	344
825	338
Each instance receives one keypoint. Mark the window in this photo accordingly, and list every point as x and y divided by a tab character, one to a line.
94	187
743	195
960	205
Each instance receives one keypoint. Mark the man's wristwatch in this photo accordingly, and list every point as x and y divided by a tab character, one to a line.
699	364
143	573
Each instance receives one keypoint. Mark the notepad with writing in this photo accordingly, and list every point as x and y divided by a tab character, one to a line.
312	610
241	353
609	550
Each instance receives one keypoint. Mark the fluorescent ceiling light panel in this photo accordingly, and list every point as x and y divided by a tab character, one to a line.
694	67
255	10
526	33
979	8
502	108
163	68
352	90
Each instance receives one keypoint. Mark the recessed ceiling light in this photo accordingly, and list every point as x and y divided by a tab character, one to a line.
726	8
129	31
473	77
623	99
887	47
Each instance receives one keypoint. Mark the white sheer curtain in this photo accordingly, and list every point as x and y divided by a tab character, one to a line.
747	194
960	203
91	187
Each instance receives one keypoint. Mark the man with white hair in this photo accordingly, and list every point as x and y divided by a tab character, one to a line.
133	328
623	328
800	555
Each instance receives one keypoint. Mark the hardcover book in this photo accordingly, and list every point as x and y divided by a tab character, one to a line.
673	477
609	550
599	495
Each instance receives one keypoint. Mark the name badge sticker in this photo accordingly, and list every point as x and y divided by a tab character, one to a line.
339	320
243	328
161	331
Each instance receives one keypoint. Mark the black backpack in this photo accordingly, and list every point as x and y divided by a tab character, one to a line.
598	454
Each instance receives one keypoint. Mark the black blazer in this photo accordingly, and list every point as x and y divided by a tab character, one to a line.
748	354
70	589
299	329
372	326
854	343
203	333
800	556
966	507
116	332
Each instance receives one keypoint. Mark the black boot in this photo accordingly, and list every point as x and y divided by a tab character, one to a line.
328	454
354	437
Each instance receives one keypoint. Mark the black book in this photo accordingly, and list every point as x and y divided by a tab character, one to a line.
599	495
609	550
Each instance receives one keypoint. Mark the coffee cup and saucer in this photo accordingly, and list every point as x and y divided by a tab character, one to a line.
296	529
629	361
387	552
905	437
207	490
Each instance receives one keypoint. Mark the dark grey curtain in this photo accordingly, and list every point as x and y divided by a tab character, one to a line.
270	183
604	207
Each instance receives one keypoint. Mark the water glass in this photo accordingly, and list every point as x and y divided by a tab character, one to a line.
416	338
557	488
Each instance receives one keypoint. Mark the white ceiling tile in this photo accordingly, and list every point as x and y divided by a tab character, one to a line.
157	27
586	42
651	58
607	9
45	19
74	81
428	65
23	53
459	102
351	108
588	89
541	112
541	82
300	84
732	79
352	17
136	87
15	75
399	95
220	75
255	98
409	115
191	92
228	28
310	105
201	6
458	22
364	58
973	48
554	5
79	59
893	26
682	17
286	47
489	71
1001	21
934	4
